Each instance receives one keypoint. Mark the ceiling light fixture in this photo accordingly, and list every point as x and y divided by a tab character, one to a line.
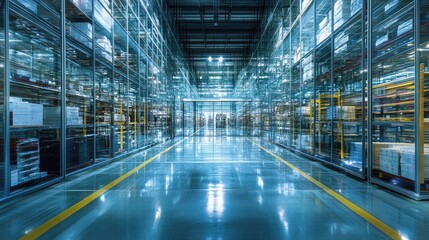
210	59
220	59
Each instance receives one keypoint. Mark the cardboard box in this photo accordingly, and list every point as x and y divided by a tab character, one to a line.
389	160
52	116
26	114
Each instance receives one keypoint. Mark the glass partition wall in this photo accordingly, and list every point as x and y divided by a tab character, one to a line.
350	87
399	96
86	81
316	52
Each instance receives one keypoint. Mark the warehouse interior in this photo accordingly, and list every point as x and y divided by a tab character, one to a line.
340	88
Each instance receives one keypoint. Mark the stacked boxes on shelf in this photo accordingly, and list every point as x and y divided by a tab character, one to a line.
51	116
84	5
324	28
408	163
303	111
355	6
107	46
346	112
73	116
26	114
356	152
377	148
341	12
389	160
83	33
331	112
25	159
341	112
399	159
307	68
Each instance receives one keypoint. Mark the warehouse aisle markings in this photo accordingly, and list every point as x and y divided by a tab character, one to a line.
40	230
356	209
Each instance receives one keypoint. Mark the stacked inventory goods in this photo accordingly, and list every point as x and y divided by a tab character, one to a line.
408	162
324	28
25	160
107	46
389	160
81	32
356	151
331	112
346	112
26	114
341	12
51	116
355	6
341	112
377	148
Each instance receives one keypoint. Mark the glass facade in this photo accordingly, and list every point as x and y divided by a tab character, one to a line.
86	85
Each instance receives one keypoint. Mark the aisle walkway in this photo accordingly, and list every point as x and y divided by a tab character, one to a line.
213	188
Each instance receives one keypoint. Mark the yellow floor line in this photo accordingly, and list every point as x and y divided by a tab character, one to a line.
37	232
358	210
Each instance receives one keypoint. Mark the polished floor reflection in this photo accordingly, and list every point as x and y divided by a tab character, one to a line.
214	188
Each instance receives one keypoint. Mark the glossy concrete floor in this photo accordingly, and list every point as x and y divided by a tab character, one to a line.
214	188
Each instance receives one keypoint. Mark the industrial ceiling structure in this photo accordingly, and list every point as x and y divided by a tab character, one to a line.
217	36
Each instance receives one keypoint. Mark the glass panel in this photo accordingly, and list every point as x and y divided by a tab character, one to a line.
119	12
120	113
80	110
189	118
103	94
144	102
35	74
342	12
287	109
424	90
307	31
295	9
348	82
133	111
324	109
79	87
296	104
305	112
323	20
133	23
103	80
2	104
393	91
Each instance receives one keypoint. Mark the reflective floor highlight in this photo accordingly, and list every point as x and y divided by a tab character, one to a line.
214	188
